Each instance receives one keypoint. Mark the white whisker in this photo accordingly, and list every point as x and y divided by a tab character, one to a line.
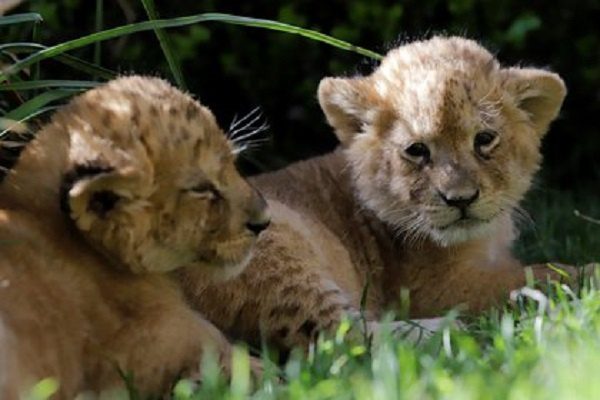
242	132
235	122
237	139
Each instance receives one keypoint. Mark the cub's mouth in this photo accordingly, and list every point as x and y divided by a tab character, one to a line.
227	259
463	228
466	222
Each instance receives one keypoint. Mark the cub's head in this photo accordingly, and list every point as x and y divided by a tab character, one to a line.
442	141
151	180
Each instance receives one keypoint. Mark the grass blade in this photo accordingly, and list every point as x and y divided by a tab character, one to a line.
20	18
177	22
166	45
71	61
33	105
98	27
310	34
35	32
48	83
40	111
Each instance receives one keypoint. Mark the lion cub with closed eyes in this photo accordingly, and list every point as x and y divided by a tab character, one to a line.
128	182
438	146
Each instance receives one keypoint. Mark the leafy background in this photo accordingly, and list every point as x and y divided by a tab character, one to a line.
234	69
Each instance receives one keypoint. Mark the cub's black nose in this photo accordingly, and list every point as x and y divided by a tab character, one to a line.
458	201
257	227
259	218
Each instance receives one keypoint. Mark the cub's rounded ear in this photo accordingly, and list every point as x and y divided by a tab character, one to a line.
349	104
537	92
91	191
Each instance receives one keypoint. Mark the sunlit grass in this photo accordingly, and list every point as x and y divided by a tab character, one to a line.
527	353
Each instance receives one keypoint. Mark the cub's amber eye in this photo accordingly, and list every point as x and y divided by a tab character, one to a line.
205	190
418	151
485	141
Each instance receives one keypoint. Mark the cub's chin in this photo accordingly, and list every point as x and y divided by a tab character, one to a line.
462	231
227	260
217	271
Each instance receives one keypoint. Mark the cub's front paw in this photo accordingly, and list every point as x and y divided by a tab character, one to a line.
416	330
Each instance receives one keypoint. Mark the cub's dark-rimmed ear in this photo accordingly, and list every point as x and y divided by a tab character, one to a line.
537	92
349	104
90	191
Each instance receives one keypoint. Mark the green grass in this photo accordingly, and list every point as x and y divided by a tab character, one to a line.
523	351
556	232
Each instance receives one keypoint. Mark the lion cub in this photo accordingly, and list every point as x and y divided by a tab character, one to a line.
126	183
439	144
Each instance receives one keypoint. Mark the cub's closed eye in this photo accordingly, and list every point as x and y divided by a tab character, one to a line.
205	189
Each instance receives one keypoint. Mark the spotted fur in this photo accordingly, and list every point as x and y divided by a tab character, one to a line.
128	182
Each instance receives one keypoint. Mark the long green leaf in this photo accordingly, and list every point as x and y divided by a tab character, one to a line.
20	18
48	83
182	21
99	26
38	102
166	45
74	62
35	33
310	34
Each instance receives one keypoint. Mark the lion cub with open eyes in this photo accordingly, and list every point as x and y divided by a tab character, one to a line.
439	144
126	183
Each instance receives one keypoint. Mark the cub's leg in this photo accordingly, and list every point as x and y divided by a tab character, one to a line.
285	295
286	305
413	331
156	346
472	286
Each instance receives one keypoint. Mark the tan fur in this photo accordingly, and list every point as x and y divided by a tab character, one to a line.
372	213
127	182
